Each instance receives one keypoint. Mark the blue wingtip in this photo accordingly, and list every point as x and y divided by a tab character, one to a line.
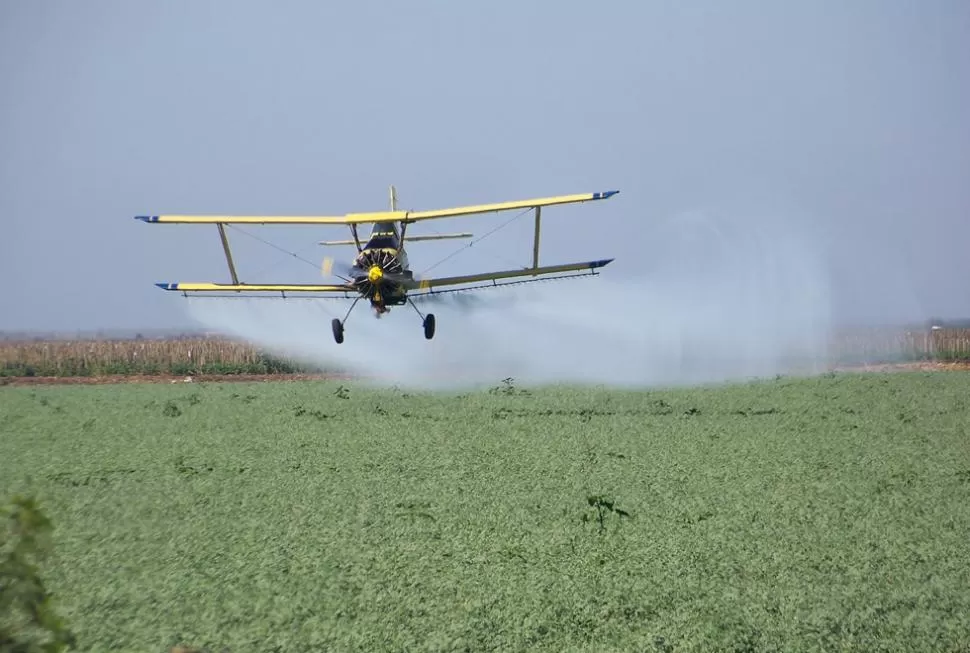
168	286
606	194
147	218
601	263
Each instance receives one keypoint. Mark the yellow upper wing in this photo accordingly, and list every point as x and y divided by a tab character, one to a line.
378	216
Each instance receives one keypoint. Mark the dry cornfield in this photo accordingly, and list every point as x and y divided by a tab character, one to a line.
139	356
208	355
878	345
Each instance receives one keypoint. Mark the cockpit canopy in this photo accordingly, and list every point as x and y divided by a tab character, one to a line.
384	235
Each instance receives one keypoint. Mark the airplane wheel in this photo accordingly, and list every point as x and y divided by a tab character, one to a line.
338	330
429	326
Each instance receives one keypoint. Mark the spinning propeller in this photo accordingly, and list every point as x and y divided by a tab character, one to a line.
370	273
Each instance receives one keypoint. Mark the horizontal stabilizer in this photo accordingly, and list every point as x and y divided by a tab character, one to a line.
379	216
436	237
407	239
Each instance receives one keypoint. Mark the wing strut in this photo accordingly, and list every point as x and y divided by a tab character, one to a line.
353	230
535	245
404	225
225	248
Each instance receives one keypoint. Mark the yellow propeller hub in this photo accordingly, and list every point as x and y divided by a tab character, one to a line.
375	274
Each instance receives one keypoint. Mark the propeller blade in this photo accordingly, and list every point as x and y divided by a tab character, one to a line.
328	265
391	271
395	277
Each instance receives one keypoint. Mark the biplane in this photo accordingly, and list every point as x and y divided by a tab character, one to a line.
380	272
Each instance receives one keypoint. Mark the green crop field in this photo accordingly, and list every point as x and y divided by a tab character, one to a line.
814	515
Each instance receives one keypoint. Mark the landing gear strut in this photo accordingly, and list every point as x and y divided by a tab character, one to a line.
427	321
338	326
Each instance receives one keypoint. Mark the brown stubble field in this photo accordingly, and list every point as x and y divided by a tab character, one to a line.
100	361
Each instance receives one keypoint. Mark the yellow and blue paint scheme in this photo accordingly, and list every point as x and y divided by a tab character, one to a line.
381	268
405	217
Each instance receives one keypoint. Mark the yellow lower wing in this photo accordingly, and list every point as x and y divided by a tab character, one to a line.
246	287
429	284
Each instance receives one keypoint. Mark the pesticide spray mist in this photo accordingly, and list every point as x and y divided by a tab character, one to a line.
711	298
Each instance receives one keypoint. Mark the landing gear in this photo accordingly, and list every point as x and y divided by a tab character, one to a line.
338	326
427	321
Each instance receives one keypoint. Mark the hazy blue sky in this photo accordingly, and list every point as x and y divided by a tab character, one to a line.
847	118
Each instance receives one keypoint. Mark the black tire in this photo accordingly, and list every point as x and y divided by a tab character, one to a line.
429	326
338	330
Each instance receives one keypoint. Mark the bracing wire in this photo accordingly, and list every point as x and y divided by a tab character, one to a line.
446	258
316	266
479	239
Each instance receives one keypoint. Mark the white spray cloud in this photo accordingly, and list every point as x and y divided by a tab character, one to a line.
715	297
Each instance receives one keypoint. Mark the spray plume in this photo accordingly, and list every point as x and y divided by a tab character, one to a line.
709	297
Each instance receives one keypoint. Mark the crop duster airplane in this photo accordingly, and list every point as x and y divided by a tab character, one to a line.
380	271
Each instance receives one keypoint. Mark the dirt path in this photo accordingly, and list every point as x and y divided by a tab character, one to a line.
923	366
244	378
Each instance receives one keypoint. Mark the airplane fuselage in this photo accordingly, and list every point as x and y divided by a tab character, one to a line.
382	255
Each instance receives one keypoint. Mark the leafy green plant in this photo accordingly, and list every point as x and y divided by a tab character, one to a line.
300	411
171	409
603	506
507	388
28	622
